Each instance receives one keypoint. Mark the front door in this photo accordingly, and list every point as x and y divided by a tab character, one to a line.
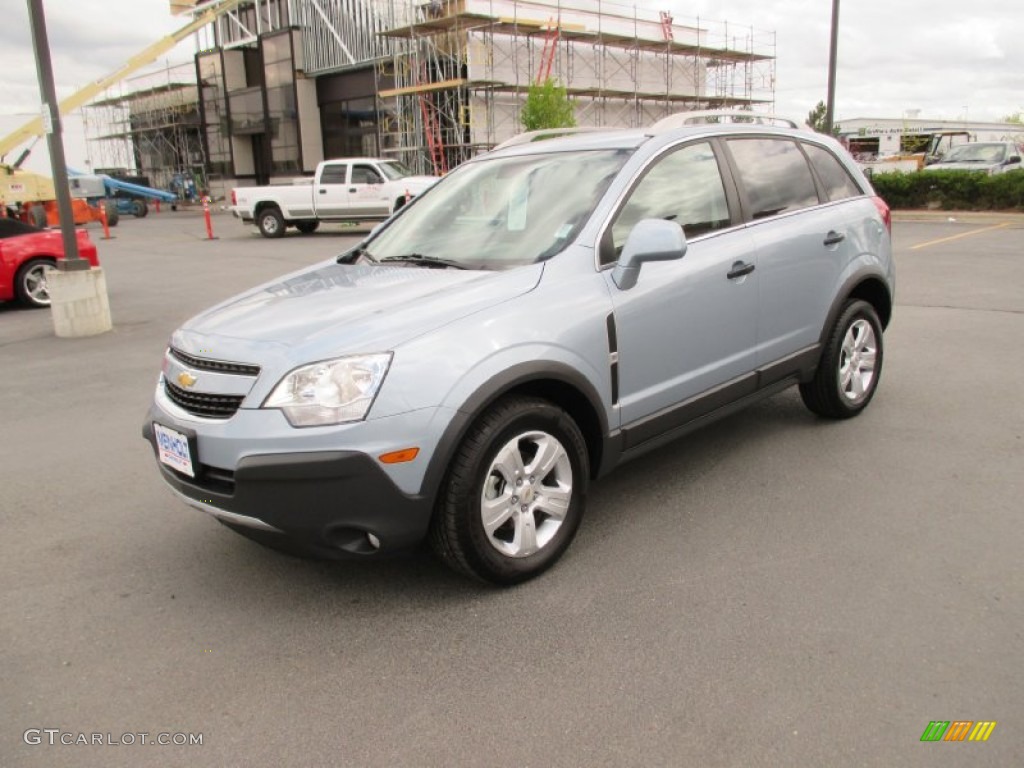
366	196
687	330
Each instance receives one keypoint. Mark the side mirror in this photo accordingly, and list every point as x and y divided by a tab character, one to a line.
649	240
1014	160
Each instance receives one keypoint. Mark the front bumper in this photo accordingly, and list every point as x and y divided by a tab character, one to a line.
336	502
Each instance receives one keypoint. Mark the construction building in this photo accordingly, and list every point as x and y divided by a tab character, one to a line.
282	84
151	122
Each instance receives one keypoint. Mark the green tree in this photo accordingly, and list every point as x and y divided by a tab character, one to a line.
1016	117
547	106
816	119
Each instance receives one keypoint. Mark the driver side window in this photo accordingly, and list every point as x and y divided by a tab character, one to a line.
365	174
684	186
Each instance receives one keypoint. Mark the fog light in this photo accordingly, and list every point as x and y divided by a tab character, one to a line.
374	541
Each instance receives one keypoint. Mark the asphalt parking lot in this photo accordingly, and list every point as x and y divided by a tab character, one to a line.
772	591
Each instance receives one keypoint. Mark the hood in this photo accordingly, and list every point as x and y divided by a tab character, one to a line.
334	309
961	166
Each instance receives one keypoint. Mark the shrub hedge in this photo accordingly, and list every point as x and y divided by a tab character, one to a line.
952	190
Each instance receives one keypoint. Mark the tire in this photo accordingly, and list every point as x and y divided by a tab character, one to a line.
525	536
398	204
113	215
850	365
37	217
307	227
270	222
30	283
140	209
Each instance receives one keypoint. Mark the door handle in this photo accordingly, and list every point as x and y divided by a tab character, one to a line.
834	237
739	269
323	191
352	189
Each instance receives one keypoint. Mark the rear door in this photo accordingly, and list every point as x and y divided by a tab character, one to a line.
803	238
330	191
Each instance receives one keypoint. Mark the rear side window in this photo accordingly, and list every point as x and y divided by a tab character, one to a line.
838	183
333	174
775	175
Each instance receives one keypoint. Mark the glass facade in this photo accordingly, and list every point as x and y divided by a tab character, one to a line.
250	109
215	114
282	111
350	128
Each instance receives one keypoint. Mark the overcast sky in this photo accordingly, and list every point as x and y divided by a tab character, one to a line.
947	58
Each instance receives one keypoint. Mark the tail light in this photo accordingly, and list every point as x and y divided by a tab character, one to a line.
234	198
884	212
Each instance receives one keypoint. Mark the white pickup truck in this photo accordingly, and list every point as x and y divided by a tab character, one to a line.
348	189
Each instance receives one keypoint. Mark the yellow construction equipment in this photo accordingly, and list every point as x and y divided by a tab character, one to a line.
22	191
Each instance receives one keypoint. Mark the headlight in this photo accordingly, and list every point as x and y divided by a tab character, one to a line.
330	392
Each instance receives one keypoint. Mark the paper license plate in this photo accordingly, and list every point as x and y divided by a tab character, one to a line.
173	449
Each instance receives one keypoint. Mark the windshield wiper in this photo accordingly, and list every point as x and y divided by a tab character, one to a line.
426	261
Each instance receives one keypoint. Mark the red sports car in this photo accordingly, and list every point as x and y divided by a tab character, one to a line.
27	254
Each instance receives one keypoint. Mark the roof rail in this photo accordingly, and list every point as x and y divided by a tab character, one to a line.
550	133
719	116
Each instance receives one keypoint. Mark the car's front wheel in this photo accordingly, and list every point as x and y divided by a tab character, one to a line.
847	375
30	283
515	493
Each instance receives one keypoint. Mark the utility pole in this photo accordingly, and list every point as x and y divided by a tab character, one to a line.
72	260
833	47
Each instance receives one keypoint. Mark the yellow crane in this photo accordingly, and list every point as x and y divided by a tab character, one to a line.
22	191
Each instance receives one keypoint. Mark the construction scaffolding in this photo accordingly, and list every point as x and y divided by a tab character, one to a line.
456	84
150	124
285	83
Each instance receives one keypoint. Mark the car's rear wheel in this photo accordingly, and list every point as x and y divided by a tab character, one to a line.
270	222
847	375
515	493
30	283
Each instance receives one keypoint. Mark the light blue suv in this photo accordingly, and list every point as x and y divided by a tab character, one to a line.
546	312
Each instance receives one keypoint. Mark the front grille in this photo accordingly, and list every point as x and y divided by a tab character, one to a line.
214	366
203	404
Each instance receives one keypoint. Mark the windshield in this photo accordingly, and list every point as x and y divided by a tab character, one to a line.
505	212
976	153
395	170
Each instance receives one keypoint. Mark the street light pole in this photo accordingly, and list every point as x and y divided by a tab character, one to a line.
833	47
72	260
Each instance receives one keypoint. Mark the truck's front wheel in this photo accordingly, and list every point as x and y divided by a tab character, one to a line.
270	222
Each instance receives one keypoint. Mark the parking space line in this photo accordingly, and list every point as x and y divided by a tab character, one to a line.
957	237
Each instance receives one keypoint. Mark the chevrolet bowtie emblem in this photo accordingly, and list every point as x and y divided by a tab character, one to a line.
186	379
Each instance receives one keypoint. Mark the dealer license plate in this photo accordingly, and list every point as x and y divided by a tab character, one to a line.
173	449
